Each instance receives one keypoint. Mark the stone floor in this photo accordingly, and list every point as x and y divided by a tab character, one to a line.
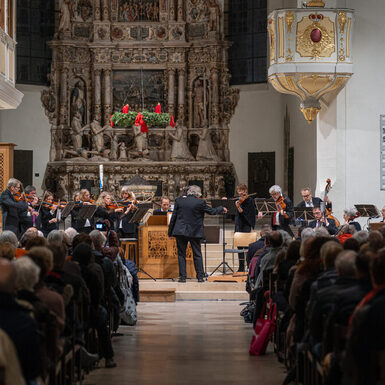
188	342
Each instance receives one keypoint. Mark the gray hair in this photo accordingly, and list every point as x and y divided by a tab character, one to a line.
348	229
276	189
350	212
346	263
55	236
195	191
306	233
321	232
13	182
9	236
71	233
27	273
361	236
98	239
286	238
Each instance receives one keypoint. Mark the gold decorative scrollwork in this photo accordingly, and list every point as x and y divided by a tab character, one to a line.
272	39
289	20
342	20
308	48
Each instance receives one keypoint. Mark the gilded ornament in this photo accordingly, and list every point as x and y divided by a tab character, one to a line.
289	20
342	20
315	38
310	113
271	31
315	3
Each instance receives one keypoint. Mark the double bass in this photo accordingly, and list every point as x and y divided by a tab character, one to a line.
328	208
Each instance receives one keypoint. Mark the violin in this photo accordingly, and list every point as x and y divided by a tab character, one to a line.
281	205
19	197
119	205
59	204
242	199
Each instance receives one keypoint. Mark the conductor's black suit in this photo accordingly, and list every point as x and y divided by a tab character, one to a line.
186	225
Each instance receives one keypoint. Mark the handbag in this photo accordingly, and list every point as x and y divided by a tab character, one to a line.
263	331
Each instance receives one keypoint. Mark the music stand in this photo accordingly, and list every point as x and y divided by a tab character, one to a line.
210	235
303	215
86	212
138	216
231	210
368	211
66	211
265	206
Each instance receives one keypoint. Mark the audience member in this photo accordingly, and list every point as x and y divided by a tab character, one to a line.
7	250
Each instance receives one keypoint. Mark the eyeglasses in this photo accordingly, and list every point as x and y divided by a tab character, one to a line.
305	196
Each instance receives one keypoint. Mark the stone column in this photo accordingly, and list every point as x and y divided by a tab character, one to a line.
63	95
105	10
181	95
171	91
180	10
97	95
171	10
107	108
97	10
215	97
190	101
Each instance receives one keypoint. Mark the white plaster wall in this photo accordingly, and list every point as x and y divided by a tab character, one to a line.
29	129
257	126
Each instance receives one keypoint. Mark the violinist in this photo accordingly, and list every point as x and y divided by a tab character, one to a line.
30	218
322	221
125	228
283	217
83	225
105	209
349	218
75	210
244	218
49	214
11	209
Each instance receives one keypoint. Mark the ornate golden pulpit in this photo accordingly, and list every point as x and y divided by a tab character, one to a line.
158	254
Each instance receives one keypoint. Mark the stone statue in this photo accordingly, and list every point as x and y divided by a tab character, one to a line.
78	100
214	13
198	95
140	140
179	149
122	151
77	131
65	17
97	133
114	147
206	149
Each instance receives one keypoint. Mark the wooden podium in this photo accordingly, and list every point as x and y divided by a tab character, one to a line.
376	226
158	254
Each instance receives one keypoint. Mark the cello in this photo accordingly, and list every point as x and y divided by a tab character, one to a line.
328	208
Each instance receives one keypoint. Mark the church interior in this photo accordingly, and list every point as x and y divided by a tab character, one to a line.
193	191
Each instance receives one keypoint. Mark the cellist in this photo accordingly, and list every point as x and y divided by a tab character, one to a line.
282	218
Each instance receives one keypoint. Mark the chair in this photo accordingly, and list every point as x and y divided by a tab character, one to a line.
130	247
241	240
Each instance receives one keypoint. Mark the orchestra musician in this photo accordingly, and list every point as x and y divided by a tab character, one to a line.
11	209
383	214
321	221
29	218
164	207
308	199
75	210
125	228
282	218
49	212
244	218
82	225
349	216
107	210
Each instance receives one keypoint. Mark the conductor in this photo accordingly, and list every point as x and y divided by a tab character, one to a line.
186	225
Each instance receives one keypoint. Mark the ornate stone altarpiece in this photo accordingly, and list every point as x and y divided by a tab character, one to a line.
103	51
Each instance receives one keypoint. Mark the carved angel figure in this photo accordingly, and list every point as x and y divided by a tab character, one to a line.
179	149
65	16
206	149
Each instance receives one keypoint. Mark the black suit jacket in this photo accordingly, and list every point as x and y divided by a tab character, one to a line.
316	203
245	221
332	228
187	217
11	211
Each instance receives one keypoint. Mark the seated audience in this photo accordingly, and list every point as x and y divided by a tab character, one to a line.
7	250
349	216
